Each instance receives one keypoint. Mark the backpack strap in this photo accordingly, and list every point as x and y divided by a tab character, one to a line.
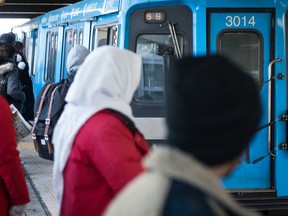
48	120
36	144
126	121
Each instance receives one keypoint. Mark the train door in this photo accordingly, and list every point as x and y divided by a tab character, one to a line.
52	62
74	34
160	36
245	37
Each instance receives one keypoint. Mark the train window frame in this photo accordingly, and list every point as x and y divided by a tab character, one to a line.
80	37
261	49
50	56
66	51
54	55
75	37
46	62
138	26
34	53
109	36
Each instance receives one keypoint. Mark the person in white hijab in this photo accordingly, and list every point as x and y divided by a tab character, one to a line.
96	152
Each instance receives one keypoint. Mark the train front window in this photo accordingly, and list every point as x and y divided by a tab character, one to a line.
245	49
156	52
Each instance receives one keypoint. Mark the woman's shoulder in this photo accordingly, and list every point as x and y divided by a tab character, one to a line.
104	121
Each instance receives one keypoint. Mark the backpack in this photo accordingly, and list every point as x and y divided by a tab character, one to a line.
49	105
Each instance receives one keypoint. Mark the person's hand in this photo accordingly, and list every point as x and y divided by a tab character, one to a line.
17	210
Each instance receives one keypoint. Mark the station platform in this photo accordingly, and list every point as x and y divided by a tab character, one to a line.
38	173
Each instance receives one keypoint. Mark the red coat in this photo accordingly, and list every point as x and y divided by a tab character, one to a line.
13	188
104	157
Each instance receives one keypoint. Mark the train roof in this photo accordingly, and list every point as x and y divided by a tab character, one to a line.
80	11
87	9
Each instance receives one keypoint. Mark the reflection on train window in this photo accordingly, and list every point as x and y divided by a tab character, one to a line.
156	51
245	49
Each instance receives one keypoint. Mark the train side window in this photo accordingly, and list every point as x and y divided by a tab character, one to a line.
50	56
68	44
34	53
26	48
157	51
80	37
47	57
54	56
113	36
104	36
245	49
74	38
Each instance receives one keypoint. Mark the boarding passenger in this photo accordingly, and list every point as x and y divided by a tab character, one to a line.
25	80
14	195
56	94
213	109
98	149
10	85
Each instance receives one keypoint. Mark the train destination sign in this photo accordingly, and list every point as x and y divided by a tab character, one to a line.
154	16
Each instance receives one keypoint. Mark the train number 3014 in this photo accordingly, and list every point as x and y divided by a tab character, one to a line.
236	21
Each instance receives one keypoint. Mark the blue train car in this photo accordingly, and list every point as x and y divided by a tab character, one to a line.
252	33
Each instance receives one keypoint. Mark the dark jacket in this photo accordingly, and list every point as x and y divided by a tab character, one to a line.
27	88
175	184
10	85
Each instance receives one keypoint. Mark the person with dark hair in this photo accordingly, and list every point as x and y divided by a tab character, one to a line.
14	195
98	149
210	119
10	85
7	38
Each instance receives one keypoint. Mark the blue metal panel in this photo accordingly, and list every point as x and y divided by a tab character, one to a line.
281	160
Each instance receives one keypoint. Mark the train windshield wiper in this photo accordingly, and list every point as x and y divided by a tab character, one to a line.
174	38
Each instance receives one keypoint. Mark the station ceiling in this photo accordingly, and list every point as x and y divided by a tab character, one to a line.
30	8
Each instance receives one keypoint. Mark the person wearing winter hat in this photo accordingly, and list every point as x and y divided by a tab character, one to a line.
210	118
75	58
7	38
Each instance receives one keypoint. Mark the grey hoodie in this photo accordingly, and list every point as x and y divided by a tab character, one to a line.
10	86
76	57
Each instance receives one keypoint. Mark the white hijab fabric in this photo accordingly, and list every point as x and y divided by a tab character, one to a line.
107	79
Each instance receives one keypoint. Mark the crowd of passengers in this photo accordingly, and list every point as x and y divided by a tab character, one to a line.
102	162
